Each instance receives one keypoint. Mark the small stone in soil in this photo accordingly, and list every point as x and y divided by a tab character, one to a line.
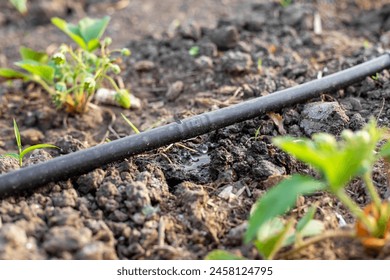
326	117
66	238
8	164
190	30
264	168
174	90
225	37
236	62
204	62
37	156
31	136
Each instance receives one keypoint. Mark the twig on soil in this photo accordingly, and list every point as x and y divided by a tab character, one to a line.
112	130
113	119
316	239
381	110
161	231
185	147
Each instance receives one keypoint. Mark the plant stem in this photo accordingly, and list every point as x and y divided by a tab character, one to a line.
44	85
355	209
371	190
111	80
316	239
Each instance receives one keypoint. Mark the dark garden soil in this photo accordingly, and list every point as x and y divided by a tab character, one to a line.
184	200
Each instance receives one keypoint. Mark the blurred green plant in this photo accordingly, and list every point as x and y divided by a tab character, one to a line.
338	162
20	5
22	152
194	51
70	76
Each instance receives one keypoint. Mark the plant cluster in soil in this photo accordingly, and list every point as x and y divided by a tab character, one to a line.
184	200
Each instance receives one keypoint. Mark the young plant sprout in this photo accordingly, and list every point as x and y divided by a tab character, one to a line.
70	76
22	152
20	5
338	162
194	51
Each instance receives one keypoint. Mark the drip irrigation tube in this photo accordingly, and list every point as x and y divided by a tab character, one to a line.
81	162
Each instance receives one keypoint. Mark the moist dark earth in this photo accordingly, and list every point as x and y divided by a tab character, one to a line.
184	200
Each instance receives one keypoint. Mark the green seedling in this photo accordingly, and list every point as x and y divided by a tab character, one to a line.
22	152
272	233
86	33
338	162
285	3
259	64
375	77
20	5
194	51
70	76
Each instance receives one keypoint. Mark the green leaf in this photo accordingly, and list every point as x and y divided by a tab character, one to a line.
312	228
339	161
30	54
278	200
194	51
93	44
13	155
17	136
306	218
71	30
93	29
35	147
385	151
222	255
270	229
20	5
12	74
269	247
45	72
86	34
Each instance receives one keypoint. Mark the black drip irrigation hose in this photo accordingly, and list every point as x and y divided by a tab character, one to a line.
81	162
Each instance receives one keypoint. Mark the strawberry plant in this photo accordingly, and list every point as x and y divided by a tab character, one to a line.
70	76
22	152
338	162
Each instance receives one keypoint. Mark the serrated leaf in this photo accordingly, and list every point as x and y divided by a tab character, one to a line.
9	73
45	72
222	255
30	54
71	30
93	29
339	161
278	200
86	34
269	247
35	147
306	218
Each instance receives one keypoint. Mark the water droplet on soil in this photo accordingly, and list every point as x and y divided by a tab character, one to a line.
202	148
